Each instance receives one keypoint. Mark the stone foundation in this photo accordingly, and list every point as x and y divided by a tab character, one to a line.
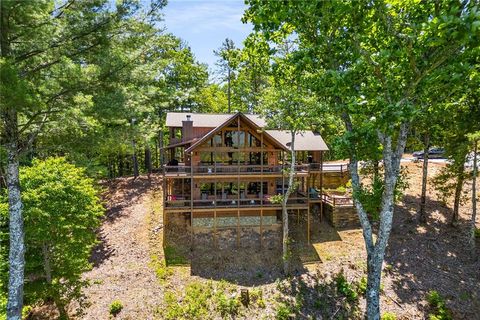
225	235
341	216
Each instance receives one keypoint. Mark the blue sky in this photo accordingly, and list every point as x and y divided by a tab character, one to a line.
205	24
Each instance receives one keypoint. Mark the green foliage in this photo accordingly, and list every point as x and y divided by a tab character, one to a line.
161	269
62	211
115	307
389	316
194	304
437	304
362	286
345	288
477	233
284	311
256	295
371	195
227	306
276	199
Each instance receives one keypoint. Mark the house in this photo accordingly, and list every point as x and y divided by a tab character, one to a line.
223	171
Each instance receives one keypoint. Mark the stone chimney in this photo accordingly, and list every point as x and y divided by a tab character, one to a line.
187	129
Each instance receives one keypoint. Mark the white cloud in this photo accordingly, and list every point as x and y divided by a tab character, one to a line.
205	16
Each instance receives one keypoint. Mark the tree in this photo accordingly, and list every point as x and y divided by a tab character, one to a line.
227	63
62	211
46	52
287	106
474	138
367	60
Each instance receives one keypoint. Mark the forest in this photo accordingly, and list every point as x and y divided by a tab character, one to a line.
85	87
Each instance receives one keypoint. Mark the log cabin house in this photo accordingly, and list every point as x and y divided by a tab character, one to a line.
223	169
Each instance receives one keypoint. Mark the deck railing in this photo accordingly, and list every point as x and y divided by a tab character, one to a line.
231	203
337	200
252	169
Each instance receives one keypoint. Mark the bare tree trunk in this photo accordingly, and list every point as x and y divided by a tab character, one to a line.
376	249
16	257
290	189
134	160
474	198
229	90
458	192
148	159
120	165
423	198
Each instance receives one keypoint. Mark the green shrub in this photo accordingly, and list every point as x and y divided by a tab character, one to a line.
284	311
160	268
62	209
194	304
389	316
115	307
345	288
439	309
227	305
362	286
257	297
477	233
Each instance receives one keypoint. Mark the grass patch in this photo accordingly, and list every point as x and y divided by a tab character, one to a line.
173	257
389	316
161	270
202	301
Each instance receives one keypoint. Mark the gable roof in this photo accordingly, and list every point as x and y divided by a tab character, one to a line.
304	141
226	122
207	120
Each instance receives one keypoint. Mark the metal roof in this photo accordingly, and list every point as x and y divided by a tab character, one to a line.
207	120
304	141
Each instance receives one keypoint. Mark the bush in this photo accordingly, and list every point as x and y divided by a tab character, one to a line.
439	309
227	306
61	212
389	316
345	288
284	311
194	304
362	286
115	307
257	297
477	233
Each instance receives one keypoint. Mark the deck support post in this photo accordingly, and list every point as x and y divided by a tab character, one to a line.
238	182
321	186
215	237
261	189
308	206
191	201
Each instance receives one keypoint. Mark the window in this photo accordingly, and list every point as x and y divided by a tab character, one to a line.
206	157
254	188
217	140
234	139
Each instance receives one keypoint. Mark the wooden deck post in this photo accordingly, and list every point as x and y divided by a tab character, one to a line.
215	238
238	182
261	189
164	203
321	186
191	200
308	206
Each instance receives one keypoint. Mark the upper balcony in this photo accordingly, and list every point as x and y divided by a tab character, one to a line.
186	171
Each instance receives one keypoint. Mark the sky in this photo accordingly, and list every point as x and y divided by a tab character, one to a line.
204	25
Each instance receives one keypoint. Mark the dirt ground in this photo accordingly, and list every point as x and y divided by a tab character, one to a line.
122	260
419	258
